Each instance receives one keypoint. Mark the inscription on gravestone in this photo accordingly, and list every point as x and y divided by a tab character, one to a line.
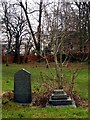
22	87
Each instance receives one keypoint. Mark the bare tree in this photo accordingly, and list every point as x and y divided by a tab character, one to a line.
7	28
83	17
36	41
59	31
14	25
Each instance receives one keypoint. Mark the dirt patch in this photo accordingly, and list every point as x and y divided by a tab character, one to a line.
41	100
7	96
79	101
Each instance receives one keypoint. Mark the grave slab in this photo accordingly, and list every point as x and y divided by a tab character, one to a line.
59	98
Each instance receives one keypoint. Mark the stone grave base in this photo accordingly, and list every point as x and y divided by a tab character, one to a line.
59	98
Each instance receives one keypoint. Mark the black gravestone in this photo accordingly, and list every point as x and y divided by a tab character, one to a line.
22	87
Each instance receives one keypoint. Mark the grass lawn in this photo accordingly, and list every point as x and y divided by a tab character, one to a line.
13	110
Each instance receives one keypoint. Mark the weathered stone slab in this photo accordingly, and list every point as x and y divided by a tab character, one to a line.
58	91
60	102
22	87
59	96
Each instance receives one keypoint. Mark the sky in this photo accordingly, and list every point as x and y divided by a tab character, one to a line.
33	5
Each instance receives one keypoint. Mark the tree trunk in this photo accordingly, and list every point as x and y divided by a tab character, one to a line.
29	24
17	50
39	30
7	57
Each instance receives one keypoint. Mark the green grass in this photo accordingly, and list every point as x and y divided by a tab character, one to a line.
82	84
8	75
13	110
81	81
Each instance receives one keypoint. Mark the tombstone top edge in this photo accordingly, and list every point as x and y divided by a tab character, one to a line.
24	70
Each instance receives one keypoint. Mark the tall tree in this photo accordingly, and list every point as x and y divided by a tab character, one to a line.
7	28
14	24
36	41
84	18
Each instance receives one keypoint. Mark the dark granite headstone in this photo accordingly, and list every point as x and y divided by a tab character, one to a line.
22	87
